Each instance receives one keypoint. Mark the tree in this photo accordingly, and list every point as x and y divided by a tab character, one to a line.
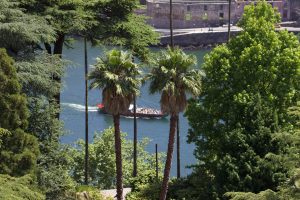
19	30
249	85
35	72
117	75
12	188
99	21
173	75
288	157
19	150
102	160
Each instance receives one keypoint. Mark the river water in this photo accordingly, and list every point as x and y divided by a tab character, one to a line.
73	114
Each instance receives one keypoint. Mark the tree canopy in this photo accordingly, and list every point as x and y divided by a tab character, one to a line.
249	85
18	150
20	30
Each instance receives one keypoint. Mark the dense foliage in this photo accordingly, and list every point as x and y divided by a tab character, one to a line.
249	86
102	161
289	157
21	188
245	124
18	150
20	30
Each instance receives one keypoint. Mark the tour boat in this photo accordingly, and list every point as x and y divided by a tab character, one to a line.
141	112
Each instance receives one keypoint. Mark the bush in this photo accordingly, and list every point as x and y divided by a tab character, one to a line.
22	188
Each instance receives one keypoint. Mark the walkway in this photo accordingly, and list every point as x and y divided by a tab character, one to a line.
113	192
166	32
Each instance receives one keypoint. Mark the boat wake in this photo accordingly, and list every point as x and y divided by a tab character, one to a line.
80	108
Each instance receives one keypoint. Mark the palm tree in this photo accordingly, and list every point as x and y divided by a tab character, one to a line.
173	75
116	75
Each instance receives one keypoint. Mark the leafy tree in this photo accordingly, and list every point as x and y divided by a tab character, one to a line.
249	86
19	150
35	72
20	30
102	161
109	22
22	188
117	75
173	75
288	157
14	113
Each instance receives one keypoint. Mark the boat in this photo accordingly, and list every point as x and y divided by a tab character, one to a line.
141	112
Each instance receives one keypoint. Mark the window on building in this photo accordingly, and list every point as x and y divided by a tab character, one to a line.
188	17
221	15
221	7
285	14
205	7
188	8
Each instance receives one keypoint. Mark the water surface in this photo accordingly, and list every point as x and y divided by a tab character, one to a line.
73	114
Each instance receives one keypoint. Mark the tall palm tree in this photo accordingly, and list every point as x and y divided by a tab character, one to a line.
173	75
116	74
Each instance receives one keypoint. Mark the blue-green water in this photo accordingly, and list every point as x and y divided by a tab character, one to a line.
73	109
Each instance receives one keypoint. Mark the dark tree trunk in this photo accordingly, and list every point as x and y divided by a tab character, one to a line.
164	189
59	43
118	152
156	161
58	47
134	139
48	48
178	149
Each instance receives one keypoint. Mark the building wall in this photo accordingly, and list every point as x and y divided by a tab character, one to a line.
294	9
201	13
187	14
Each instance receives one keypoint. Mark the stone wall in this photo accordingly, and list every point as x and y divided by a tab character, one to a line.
198	39
201	13
187	14
294	10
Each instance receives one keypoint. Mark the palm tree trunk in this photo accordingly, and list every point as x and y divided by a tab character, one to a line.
58	48
134	138
118	153
173	122
178	149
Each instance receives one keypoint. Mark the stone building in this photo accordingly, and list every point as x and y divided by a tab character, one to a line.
207	13
293	9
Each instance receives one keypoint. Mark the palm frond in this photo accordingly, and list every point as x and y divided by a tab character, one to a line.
173	75
119	78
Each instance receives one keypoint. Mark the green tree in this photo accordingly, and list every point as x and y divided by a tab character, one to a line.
289	156
21	188
117	75
107	22
35	72
20	31
173	76
19	150
250	83
102	160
